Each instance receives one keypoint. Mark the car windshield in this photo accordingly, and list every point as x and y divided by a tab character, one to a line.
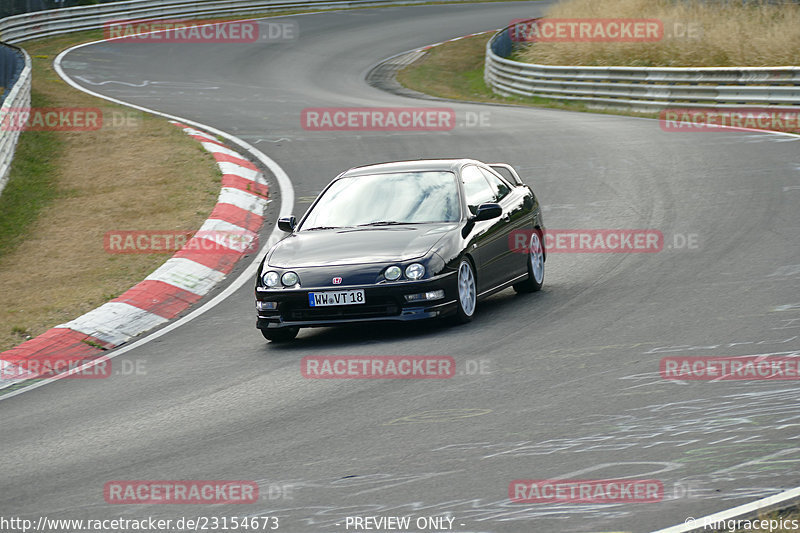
387	199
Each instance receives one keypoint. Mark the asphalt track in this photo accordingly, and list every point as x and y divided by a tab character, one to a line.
570	387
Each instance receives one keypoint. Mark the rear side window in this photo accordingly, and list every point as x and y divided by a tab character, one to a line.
505	173
500	187
476	188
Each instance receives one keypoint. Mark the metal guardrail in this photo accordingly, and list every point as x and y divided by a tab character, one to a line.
17	80
640	88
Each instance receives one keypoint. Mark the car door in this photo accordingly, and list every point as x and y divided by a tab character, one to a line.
516	213
488	237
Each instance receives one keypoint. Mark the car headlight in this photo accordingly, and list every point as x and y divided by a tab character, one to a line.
392	273
415	271
270	278
289	279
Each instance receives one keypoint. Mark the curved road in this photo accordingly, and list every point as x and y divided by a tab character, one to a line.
569	386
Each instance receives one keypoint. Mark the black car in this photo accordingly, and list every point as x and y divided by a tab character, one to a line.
402	241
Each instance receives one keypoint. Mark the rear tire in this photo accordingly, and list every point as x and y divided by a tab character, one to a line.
535	265
280	334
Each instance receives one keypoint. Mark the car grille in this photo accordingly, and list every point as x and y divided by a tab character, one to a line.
380	307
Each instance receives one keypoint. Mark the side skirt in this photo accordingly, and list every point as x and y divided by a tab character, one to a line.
502	286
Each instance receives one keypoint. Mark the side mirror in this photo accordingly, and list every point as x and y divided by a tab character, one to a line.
487	212
287	224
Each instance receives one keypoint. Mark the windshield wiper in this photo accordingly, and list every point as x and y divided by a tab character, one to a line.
323	227
385	223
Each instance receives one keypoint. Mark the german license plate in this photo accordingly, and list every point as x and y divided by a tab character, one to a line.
328	298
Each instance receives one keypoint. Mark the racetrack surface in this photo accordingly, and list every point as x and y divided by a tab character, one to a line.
571	386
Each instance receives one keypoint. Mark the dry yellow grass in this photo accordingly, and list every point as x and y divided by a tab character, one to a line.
722	34
149	175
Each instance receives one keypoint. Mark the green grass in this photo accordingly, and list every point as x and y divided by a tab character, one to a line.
31	187
451	70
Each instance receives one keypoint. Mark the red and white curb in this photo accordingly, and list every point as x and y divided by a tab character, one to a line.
172	288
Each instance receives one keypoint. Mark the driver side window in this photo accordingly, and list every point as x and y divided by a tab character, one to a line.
476	188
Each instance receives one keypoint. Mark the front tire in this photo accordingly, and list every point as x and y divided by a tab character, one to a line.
280	334
535	265
467	292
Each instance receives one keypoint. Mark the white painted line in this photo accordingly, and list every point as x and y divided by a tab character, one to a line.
187	275
704	523
115	322
243	199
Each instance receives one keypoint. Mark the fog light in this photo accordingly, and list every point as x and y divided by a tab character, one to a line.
266	306
430	295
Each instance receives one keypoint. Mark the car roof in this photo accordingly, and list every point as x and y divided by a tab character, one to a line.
451	165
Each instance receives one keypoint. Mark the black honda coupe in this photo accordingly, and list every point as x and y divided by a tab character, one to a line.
406	240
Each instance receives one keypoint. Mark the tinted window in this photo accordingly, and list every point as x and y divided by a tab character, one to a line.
406	197
499	187
476	188
504	172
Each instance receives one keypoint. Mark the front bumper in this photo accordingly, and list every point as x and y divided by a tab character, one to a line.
383	302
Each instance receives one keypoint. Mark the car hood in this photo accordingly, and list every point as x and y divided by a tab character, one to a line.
346	246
